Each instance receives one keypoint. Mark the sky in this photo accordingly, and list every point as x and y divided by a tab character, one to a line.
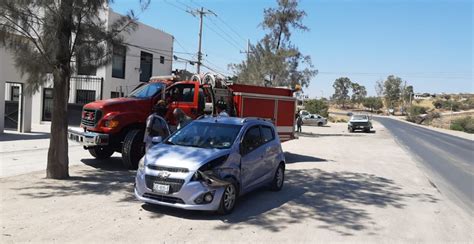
428	43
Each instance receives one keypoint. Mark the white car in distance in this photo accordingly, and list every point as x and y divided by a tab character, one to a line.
314	119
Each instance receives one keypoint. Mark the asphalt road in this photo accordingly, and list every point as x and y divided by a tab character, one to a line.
450	159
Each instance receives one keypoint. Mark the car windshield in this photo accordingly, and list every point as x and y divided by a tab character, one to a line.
359	117
146	91
205	135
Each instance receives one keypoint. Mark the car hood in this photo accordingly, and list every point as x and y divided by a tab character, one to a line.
181	156
119	104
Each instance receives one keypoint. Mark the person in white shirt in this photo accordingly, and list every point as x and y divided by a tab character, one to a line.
181	118
221	109
156	125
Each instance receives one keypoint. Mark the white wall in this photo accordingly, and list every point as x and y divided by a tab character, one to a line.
143	36
9	73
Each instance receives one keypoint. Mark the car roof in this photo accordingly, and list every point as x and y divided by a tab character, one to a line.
233	120
222	119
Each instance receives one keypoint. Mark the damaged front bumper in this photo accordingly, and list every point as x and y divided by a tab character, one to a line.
189	196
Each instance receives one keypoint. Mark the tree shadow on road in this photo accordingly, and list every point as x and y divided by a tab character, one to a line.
110	164
336	200
299	158
311	134
86	181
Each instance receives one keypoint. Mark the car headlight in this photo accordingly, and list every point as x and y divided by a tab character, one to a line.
111	123
141	164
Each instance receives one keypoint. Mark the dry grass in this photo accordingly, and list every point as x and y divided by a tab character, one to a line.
445	121
425	103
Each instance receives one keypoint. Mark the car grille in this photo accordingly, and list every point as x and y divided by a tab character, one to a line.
162	198
90	117
175	184
169	169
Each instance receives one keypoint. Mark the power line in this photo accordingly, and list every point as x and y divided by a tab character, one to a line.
156	49
225	33
223	38
202	13
425	75
174	5
216	71
179	44
233	30
215	65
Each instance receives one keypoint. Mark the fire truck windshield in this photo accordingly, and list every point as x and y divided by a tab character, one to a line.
147	91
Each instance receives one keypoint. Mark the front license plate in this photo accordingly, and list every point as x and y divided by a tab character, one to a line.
160	188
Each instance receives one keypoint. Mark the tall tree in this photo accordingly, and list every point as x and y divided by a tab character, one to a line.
372	103
358	93
379	88
45	37
408	94
316	106
392	91
341	87
274	60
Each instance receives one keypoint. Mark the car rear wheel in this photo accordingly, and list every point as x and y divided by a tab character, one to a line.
133	148
320	123
279	178
229	197
101	152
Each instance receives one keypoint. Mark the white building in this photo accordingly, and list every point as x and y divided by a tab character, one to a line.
148	53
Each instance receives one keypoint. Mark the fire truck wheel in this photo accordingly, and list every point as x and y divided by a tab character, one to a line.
101	152
133	148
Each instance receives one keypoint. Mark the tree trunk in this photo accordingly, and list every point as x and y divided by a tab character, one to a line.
58	161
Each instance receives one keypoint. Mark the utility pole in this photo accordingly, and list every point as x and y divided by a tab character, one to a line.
248	50
202	13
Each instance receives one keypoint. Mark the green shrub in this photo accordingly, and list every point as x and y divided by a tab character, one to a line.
448	105
414	113
317	106
465	124
457	127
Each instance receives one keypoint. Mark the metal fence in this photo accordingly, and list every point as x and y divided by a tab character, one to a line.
85	89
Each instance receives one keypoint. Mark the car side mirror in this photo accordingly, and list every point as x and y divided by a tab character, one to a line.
156	139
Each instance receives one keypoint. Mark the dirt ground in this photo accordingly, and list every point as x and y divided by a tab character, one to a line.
339	187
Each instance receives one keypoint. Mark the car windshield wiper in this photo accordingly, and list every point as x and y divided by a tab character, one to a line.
170	143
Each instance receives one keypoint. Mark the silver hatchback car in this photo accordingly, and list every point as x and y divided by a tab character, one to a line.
209	163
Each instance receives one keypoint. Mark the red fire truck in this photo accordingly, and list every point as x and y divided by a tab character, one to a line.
117	125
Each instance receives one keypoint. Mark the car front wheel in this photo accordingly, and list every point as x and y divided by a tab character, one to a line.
229	197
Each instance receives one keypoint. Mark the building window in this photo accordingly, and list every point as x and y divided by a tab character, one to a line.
85	96
116	94
85	65
47	104
146	66
162	60
118	62
15	93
